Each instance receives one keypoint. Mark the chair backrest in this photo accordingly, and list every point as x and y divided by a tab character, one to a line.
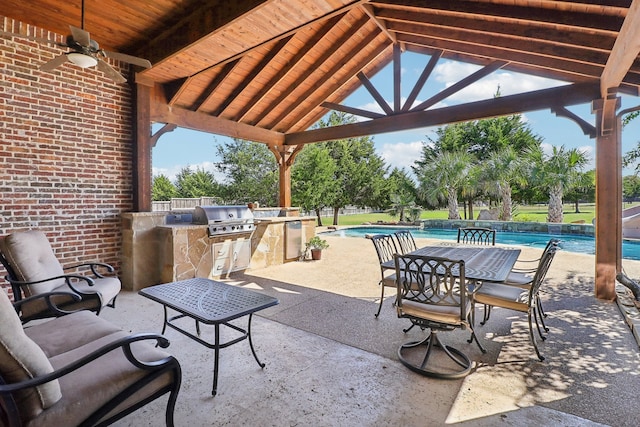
431	281
406	243
541	271
477	236
29	258
385	247
22	359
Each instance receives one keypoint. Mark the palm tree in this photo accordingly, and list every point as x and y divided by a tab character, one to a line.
441	176
557	173
504	168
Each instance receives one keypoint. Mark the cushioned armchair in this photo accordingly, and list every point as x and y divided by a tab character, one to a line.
33	269
79	370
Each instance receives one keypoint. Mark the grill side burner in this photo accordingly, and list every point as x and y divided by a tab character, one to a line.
224	220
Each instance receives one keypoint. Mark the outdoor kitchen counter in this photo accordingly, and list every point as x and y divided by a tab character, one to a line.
156	252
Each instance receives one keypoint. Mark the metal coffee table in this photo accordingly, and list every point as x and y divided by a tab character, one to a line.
212	303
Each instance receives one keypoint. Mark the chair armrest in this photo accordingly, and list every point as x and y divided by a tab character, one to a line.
50	304
67	278
94	266
123	343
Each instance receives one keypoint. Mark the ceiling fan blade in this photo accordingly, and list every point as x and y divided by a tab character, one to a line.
81	36
110	72
55	62
128	58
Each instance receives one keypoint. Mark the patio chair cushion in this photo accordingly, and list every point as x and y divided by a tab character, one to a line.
22	359
435	313
32	258
90	387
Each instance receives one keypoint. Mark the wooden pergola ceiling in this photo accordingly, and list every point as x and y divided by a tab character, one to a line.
268	70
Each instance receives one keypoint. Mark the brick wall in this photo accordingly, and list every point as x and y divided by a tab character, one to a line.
65	148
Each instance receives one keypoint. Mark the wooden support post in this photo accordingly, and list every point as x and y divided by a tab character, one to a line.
285	155
142	175
608	198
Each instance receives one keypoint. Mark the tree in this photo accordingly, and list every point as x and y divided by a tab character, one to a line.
313	183
163	189
631	187
402	195
251	172
584	188
360	172
441	175
557	173
502	169
200	183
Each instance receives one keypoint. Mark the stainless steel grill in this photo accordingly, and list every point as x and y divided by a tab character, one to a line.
224	220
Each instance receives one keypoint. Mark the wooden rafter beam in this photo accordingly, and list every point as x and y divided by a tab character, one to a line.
351	110
428	69
397	78
347	84
587	128
248	79
625	51
214	84
206	123
500	106
291	64
377	96
317	63
369	11
485	71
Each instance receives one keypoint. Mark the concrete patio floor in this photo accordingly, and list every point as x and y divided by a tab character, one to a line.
329	362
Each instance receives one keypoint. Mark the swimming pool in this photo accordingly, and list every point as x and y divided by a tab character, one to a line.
568	242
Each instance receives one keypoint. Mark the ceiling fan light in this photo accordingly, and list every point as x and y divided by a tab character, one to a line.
82	60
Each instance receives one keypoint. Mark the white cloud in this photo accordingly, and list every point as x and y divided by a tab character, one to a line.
401	154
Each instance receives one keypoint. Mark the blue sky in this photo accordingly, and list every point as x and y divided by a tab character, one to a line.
183	147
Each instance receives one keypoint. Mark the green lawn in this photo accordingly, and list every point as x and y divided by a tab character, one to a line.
536	213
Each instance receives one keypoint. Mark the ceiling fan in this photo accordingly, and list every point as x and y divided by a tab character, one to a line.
86	53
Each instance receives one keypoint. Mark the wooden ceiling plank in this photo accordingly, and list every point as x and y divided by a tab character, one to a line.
319	82
272	53
201	22
428	69
291	64
586	38
500	106
374	93
500	41
607	19
625	51
369	11
213	85
340	11
553	64
351	110
353	30
485	71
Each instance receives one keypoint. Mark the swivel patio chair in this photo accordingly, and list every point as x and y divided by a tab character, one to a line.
406	243
477	236
79	370
385	249
518	299
439	303
33	269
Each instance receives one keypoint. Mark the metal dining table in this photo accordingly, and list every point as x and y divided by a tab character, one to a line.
481	263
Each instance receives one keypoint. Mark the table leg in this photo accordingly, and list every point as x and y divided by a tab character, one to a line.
164	324
216	350
262	365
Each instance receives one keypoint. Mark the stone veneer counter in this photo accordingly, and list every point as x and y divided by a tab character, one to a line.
156	252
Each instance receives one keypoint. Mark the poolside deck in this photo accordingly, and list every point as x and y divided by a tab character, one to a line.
331	363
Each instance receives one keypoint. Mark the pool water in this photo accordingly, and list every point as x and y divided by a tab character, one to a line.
568	242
